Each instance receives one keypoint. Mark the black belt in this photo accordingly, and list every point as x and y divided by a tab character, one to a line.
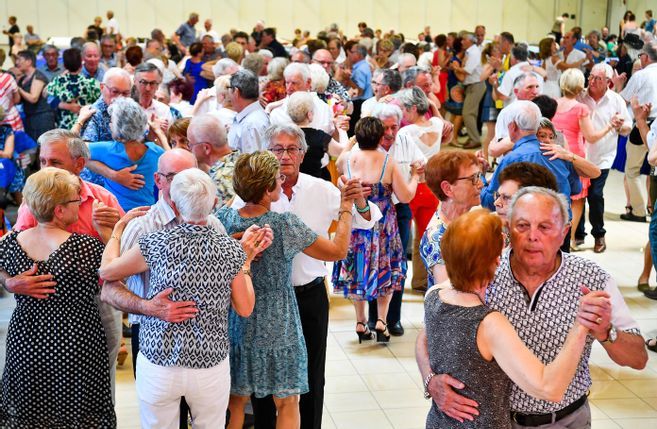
543	419
303	288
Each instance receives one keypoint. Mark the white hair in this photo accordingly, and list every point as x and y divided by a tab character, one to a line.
224	66
207	128
387	110
299	105
407	57
267	53
194	194
129	120
297	68
559	200
604	67
319	79
276	67
526	115
116	72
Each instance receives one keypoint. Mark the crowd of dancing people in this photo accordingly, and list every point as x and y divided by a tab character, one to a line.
200	183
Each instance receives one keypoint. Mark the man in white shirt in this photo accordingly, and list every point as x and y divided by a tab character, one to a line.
606	106
384	82
317	203
297	78
209	31
572	58
147	79
474	88
520	65
247	131
643	86
112	27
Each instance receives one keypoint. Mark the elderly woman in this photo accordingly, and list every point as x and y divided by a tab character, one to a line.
320	145
72	90
267	351
56	372
129	126
216	101
201	266
374	267
455	178
573	119
478	345
274	89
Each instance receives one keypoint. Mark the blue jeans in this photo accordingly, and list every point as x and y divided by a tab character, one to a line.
596	202
652	230
404	217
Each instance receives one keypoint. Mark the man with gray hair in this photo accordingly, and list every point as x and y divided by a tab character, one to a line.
209	145
519	66
148	78
423	79
91	65
384	82
303	195
185	35
52	67
542	292
248	128
405	61
524	118
98	212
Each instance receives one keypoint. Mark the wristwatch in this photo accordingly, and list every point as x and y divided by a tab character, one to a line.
427	380
612	335
246	271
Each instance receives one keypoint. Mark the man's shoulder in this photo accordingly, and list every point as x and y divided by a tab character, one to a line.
102	194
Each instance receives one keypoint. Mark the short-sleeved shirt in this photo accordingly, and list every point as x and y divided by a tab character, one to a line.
200	265
97	128
430	246
8	88
187	34
69	88
361	75
113	155
247	132
221	174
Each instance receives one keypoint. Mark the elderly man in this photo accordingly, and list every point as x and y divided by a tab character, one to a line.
268	41
302	195
524	118
210	52
643	86
541	291
480	34
324	58
247	133
605	106
360	80
405	62
91	66
297	78
148	78
474	88
519	66
384	82
405	152
425	80
52	67
116	83
108	56
99	211
185	35
208	143
207	25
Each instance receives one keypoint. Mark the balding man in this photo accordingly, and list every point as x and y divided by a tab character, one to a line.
116	83
297	78
247	132
208	143
99	211
207	25
91	66
324	58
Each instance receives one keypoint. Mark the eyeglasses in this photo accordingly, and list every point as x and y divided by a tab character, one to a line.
148	82
505	198
474	178
77	201
167	176
117	92
291	151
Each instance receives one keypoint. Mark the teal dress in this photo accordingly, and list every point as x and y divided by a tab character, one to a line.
267	349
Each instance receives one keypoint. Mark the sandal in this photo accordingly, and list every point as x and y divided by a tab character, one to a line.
651	344
364	335
382	335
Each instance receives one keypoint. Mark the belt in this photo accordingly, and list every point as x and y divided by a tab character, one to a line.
543	419
304	288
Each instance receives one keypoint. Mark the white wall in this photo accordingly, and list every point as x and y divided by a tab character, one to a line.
527	19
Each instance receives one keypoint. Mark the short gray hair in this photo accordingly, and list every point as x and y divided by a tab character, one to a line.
298	106
77	148
276	67
207	128
194	194
520	52
297	68
319	79
147	67
525	114
253	62
520	80
650	49
410	75
605	68
87	45
51	48
406	56
224	66
247	82
414	96
391	78
129	120
559	200
116	72
289	130
387	110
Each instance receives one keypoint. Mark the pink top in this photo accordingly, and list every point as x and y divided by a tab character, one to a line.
89	193
567	122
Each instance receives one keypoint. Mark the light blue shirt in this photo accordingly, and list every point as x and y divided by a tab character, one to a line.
247	133
361	75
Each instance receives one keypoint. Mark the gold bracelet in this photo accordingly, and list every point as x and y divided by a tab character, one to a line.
343	211
246	271
115	237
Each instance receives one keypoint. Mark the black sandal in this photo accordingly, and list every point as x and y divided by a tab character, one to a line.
651	344
382	335
364	335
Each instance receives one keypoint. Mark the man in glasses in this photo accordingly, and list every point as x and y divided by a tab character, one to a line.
147	79
116	83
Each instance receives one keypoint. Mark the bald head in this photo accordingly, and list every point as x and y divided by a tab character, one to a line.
175	161
207	129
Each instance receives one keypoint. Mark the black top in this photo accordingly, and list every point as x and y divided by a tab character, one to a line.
318	142
277	49
13	29
41	104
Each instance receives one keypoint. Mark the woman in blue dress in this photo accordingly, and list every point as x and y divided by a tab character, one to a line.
267	349
193	68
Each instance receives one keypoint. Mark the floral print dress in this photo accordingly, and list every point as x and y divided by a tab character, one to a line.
69	88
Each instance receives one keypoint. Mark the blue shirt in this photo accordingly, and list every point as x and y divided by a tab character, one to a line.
113	154
361	75
650	25
97	128
100	73
187	34
528	149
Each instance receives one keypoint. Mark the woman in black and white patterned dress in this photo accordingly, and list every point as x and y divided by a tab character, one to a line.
56	372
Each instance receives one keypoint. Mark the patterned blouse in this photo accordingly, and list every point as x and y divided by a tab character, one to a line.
8	87
221	174
69	88
430	245
200	265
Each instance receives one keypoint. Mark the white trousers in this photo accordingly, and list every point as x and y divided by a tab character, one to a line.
159	389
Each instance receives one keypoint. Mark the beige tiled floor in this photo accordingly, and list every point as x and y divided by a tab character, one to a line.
378	386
